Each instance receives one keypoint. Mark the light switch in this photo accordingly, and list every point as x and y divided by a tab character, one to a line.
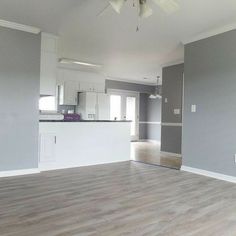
193	108
177	111
166	100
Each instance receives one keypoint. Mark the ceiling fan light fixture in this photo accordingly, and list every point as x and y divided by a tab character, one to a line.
144	11
168	6
117	5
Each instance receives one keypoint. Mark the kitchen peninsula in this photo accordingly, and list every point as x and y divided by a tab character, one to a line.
83	143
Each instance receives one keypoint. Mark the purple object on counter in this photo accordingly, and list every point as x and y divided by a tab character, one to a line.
72	117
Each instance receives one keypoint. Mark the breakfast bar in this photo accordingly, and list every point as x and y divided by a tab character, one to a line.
67	144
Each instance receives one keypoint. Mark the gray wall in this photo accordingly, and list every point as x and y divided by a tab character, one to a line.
150	111
172	89
19	95
209	137
112	84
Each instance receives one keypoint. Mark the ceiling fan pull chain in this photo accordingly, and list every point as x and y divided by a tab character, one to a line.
137	28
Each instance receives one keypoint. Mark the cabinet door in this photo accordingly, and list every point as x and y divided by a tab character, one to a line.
86	87
99	87
47	147
70	93
48	73
103	106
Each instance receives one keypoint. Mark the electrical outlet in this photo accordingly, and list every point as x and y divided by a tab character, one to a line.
166	100
177	111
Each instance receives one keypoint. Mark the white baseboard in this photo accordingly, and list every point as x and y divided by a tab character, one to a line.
149	140
210	174
172	154
19	172
51	167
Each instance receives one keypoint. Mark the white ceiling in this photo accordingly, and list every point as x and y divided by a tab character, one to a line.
111	39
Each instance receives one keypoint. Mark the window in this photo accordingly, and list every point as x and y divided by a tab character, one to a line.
131	113
47	103
115	107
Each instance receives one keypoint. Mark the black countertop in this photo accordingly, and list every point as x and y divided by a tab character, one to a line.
71	121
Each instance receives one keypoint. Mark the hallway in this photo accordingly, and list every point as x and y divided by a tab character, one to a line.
149	153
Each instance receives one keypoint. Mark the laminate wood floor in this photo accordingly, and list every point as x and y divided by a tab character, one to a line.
120	199
150	153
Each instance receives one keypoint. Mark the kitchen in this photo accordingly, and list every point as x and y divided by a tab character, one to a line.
76	127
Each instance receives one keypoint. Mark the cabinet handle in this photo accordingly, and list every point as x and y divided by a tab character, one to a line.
55	139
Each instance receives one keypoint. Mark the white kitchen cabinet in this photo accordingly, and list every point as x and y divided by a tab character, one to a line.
86	86
48	69
68	93
47	147
87	143
103	106
99	87
91	87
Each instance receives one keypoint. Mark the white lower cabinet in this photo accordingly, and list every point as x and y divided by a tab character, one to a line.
47	147
83	144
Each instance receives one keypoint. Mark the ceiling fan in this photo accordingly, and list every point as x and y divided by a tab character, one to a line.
168	6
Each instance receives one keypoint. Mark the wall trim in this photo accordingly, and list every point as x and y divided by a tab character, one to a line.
16	26
210	174
171	154
173	63
150	122
149	141
172	124
45	168
148	83
11	173
210	33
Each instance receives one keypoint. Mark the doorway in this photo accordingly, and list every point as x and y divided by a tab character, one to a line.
124	105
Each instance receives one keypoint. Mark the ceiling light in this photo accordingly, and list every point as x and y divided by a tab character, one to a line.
145	10
156	94
71	61
117	5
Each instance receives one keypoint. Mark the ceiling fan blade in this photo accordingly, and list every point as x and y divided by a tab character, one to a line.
117	5
168	6
103	10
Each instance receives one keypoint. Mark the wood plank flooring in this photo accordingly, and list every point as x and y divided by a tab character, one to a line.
120	199
150	153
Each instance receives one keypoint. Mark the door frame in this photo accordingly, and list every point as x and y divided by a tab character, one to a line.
124	94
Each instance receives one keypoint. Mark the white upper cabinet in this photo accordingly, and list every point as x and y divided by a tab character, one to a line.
48	71
68	88
99	87
73	81
69	92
